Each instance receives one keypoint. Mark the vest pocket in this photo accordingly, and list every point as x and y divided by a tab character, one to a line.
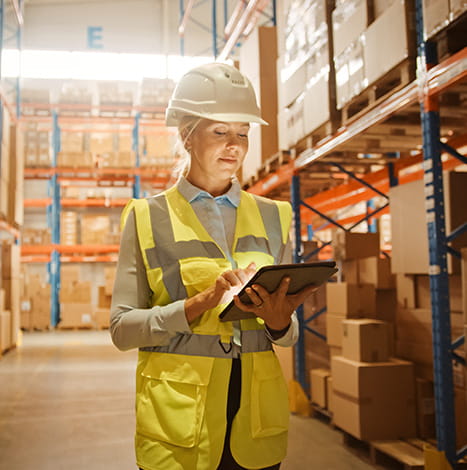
171	403
269	397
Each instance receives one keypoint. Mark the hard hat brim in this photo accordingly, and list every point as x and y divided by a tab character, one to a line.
174	115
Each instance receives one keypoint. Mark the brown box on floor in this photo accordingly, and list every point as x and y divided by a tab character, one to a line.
79	292
318	380
351	300
365	340
354	245
75	315
374	401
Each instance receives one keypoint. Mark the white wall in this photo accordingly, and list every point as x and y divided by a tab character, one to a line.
127	26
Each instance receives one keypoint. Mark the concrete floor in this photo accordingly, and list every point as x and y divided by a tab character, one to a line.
66	403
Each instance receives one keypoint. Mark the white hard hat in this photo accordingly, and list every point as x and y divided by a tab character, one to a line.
216	91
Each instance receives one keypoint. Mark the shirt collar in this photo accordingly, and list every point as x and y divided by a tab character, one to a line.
191	192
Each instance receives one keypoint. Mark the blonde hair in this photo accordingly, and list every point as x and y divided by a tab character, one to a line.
186	128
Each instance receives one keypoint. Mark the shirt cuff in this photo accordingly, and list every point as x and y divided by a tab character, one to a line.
170	318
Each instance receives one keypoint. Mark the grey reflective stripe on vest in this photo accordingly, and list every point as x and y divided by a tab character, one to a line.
271	219
211	345
169	260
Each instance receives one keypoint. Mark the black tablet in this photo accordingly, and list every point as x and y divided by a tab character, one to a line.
301	275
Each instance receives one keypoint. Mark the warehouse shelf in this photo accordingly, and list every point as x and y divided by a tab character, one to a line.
9	230
439	78
98	202
412	112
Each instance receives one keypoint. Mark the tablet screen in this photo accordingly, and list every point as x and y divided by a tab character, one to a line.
301	275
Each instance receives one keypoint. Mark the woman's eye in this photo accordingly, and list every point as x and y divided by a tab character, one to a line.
243	136
219	133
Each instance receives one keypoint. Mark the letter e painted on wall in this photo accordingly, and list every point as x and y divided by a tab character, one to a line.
95	37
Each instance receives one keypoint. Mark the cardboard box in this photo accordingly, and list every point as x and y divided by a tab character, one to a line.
104	300
377	271
69	273
329	393
109	275
78	291
350	73
286	360
349	19
354	245
318	381
386	305
334	330
5	330
405	290
350	271
351	300
366	403
435	16
102	317
426	427
365	340
335	351
389	40
423	292
409	226
76	315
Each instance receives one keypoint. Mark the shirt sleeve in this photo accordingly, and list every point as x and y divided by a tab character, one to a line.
290	337
133	322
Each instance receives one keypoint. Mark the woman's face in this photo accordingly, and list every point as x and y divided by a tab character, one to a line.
217	149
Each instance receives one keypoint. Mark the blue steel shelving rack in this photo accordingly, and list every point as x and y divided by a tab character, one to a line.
443	348
54	210
438	249
217	40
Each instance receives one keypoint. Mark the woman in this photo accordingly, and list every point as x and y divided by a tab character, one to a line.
210	394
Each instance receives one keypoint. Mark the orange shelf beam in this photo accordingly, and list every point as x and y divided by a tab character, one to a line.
87	249
89	259
94	202
37	202
29	250
68	249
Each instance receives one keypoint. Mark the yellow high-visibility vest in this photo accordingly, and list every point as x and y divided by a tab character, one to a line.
181	388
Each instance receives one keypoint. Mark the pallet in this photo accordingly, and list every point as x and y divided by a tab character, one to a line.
75	328
273	164
321	413
397	454
7	350
393	81
326	130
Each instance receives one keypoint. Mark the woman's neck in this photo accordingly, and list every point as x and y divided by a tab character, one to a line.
214	188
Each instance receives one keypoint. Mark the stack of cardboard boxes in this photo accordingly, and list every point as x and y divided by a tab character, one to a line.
37	147
373	395
306	88
35	301
9	295
158	150
76	308
102	312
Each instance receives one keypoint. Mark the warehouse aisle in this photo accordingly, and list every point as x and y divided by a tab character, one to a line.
66	403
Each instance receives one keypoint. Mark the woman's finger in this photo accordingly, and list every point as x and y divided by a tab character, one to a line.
232	278
254	297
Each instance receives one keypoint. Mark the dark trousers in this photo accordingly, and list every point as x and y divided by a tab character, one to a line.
233	405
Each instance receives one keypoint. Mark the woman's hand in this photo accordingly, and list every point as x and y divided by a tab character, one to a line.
275	308
226	286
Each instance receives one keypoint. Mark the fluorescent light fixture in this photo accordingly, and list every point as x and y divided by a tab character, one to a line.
74	65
